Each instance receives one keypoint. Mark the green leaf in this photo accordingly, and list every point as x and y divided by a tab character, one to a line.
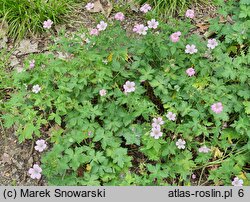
247	106
27	131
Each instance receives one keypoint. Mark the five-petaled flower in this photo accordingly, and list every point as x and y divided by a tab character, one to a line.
190	71
119	16
36	88
204	149
237	182
102	92
171	116
32	64
145	8
191	49
156	132
212	43
217	107
189	13
94	32
153	24
47	24
157	122
129	87
175	36
35	172
89	6
40	145
180	144
140	29
102	26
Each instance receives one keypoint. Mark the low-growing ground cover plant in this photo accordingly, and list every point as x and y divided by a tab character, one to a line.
26	17
164	8
161	107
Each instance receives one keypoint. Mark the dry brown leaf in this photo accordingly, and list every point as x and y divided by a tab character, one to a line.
133	6
105	7
97	7
202	27
6	158
27	47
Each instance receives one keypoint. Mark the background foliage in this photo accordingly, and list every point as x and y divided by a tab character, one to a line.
105	140
26	17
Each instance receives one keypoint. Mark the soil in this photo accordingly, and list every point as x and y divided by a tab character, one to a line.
16	158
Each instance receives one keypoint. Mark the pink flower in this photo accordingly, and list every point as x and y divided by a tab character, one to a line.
140	29
102	26
102	92
189	13
180	144
191	49
36	88
204	149
47	24
212	43
119	16
135	29
217	107
153	24
237	182
89	6
129	86
40	145
156	132
175	37
94	32
35	172
171	116
145	8
190	71
32	64
157	121
193	176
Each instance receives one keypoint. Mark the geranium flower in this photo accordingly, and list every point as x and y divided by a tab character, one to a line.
171	116
145	8
191	49
94	32
40	145
47	24
32	64
212	43
119	16
204	149
175	37
156	132
135	29
190	71
189	13
140	29
102	92
129	86
237	182
157	121
102	26
153	24
89	6
217	107
36	88
180	144
35	172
